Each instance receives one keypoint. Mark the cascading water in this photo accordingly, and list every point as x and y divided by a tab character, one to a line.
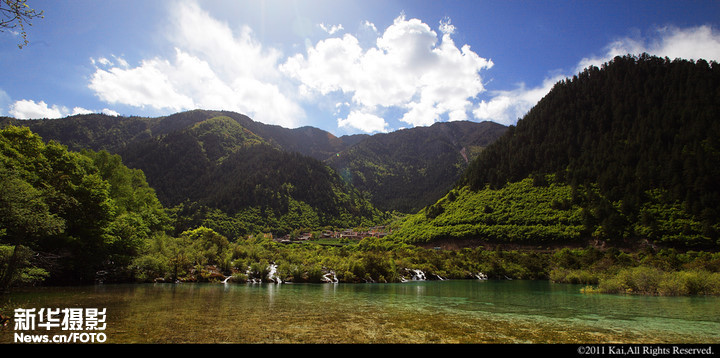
330	277
419	275
416	275
272	276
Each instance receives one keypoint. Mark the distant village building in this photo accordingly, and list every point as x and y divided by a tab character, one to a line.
377	231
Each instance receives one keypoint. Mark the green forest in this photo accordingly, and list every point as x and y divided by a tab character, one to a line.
408	169
608	182
218	171
68	217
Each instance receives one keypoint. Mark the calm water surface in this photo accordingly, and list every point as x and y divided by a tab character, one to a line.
464	311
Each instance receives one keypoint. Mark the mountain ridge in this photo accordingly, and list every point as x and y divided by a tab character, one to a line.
132	138
105	132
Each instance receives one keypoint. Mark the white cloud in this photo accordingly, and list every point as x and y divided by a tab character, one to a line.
369	25
150	84
331	29
213	68
104	61
506	107
406	69
80	110
329	67
701	42
365	122
29	109
109	112
446	27
694	43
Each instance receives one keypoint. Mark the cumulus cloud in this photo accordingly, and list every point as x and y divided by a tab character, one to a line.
407	69
694	43
364	121
150	84
213	67
29	109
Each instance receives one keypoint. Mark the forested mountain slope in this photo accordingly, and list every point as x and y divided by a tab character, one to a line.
411	168
629	153
402	171
218	167
114	133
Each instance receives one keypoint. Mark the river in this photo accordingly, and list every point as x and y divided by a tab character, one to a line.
455	311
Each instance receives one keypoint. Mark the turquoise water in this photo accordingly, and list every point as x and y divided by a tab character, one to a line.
463	311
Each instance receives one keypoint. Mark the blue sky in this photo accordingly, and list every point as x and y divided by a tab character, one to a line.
344	66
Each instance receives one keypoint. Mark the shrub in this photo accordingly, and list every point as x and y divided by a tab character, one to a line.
652	281
574	276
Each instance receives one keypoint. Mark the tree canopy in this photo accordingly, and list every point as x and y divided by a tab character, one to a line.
80	212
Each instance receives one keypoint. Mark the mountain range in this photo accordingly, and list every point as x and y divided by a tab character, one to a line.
208	160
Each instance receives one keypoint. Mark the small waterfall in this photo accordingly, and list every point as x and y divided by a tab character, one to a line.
327	278
416	275
225	281
272	276
481	276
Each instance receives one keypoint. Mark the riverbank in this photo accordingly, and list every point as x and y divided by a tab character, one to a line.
645	271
